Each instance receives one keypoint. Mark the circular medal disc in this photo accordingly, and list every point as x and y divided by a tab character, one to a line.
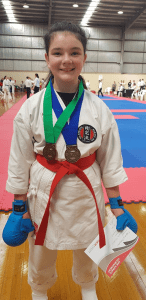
72	154
49	151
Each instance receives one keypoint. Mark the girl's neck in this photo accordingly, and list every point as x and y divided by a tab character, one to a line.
66	87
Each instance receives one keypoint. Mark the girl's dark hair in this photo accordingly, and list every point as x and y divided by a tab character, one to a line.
69	27
37	75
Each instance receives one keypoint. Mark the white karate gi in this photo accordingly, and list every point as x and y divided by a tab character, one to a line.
139	84
73	218
6	89
120	90
13	88
88	85
135	92
100	85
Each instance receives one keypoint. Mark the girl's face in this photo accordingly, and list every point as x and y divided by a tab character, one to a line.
65	59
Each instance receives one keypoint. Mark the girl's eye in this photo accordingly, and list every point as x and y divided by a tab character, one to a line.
57	53
75	53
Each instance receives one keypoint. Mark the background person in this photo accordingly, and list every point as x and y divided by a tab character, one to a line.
120	90
22	86
139	84
114	87
100	88
129	84
88	85
6	89
135	92
13	88
133	84
28	85
142	84
36	84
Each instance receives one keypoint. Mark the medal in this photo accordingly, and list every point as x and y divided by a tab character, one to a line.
69	130
72	153
49	151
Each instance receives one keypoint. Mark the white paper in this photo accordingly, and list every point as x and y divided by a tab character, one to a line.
118	245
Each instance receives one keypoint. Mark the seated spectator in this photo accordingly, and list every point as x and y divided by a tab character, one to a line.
139	84
114	87
142	85
135	92
133	84
129	84
120	90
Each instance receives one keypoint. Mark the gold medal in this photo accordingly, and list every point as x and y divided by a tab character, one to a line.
72	153
49	151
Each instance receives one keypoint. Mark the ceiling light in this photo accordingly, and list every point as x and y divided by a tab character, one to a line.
120	12
25	6
9	11
75	5
89	12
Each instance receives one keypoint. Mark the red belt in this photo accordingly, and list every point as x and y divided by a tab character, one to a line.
62	168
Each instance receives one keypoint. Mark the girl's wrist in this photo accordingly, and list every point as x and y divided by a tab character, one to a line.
20	197
117	211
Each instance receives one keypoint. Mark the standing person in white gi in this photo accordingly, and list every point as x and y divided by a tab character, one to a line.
142	84
36	84
6	89
88	85
28	85
65	136
100	88
13	88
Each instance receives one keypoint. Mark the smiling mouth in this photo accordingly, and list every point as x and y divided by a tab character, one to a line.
67	70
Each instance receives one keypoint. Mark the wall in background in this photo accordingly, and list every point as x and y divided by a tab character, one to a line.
22	49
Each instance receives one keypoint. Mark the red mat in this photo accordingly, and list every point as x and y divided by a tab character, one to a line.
132	190
6	131
124	117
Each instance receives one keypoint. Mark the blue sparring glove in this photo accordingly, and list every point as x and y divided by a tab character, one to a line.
16	229
125	219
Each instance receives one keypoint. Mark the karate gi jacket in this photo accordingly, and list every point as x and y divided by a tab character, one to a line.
72	220
6	85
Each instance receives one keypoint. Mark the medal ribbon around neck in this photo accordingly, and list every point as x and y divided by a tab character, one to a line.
69	131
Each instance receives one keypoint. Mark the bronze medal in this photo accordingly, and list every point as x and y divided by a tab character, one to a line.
72	153
49	151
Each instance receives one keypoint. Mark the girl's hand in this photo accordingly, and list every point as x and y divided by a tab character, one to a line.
117	211
26	215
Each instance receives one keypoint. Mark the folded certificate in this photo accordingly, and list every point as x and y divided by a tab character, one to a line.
118	246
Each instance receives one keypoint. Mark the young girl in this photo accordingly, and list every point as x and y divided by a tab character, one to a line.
65	141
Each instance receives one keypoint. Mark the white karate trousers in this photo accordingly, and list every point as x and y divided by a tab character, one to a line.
7	96
42	272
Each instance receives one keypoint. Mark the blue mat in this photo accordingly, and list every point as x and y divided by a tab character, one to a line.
124	104
132	132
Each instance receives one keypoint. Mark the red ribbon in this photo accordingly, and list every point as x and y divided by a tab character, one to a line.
62	168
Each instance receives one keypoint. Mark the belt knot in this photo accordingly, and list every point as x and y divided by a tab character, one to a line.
71	167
